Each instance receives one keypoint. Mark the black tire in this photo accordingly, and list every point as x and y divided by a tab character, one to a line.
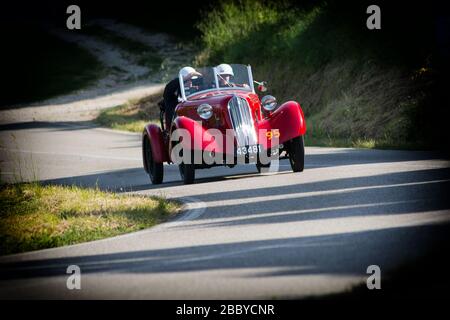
259	166
187	171
297	154
155	170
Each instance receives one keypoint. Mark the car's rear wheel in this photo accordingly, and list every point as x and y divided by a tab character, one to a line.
155	170
187	171
297	154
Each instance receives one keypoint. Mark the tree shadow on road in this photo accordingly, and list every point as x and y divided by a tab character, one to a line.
422	193
385	194
138	180
390	193
343	254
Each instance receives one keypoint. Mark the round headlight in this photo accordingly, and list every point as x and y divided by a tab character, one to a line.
269	103
205	111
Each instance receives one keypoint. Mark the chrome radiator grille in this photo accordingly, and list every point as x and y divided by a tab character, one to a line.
242	121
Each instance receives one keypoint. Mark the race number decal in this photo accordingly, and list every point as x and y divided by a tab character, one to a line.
273	133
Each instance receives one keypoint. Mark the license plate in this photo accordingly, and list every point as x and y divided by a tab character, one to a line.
250	150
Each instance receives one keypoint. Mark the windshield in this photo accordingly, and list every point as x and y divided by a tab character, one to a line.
223	77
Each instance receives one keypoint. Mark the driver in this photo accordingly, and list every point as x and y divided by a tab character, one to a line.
224	73
172	91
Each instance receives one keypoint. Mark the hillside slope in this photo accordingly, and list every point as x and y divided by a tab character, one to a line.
358	87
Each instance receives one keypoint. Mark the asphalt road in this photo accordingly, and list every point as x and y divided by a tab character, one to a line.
244	235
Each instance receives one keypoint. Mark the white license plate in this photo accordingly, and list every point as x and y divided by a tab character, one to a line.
250	150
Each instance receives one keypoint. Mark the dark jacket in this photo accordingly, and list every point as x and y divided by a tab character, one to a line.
171	94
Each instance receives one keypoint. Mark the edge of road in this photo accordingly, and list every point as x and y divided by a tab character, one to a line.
128	133
81	124
192	209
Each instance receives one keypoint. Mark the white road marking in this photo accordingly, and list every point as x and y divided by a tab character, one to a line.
195	208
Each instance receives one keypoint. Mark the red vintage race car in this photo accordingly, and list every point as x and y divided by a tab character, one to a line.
223	122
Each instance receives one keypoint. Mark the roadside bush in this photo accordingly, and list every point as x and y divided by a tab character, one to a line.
352	84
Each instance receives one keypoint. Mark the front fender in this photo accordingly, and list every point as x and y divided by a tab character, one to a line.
288	119
200	138
159	149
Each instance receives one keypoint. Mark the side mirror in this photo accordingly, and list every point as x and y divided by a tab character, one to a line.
262	86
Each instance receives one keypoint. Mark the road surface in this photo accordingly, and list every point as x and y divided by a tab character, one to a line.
243	234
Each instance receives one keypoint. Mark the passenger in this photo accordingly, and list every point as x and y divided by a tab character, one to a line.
172	92
225	73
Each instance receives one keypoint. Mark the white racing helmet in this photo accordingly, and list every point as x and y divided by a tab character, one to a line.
189	73
225	69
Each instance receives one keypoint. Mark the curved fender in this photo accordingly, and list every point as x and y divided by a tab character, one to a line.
288	119
200	138
154	134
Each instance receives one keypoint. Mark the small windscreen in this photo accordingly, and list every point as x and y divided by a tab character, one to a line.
211	78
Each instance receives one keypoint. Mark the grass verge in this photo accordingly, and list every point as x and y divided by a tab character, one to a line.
132	116
357	88
35	216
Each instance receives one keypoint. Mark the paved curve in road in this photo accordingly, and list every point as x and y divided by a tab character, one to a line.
245	235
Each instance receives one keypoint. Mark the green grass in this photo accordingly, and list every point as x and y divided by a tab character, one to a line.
324	133
146	55
41	66
357	88
35	216
132	116
363	143
122	118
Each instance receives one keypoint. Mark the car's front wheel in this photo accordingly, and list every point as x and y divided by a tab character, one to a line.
297	154
187	171
260	166
155	170
263	164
